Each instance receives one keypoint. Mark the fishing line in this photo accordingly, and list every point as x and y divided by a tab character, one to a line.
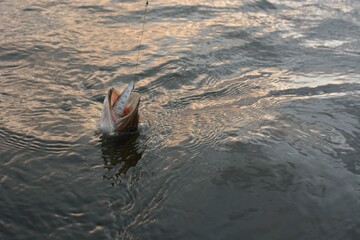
141	38
124	96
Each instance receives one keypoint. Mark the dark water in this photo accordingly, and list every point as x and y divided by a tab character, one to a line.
249	120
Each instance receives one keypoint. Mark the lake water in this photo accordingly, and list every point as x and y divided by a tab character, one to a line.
249	120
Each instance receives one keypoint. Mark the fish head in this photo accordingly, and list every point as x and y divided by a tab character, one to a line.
112	123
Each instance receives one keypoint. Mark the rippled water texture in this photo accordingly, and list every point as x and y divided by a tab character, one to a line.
249	120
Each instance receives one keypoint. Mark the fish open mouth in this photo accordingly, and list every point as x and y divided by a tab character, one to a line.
112	123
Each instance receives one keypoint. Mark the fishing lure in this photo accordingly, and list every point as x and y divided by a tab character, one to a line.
120	103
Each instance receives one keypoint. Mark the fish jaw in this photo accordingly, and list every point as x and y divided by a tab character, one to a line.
107	122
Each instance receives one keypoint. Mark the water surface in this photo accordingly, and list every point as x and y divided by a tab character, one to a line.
249	120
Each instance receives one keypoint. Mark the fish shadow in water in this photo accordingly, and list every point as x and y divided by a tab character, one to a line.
120	153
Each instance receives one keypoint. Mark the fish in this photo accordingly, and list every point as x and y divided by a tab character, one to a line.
120	111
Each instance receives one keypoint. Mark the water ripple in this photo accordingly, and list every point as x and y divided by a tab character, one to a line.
11	140
249	113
